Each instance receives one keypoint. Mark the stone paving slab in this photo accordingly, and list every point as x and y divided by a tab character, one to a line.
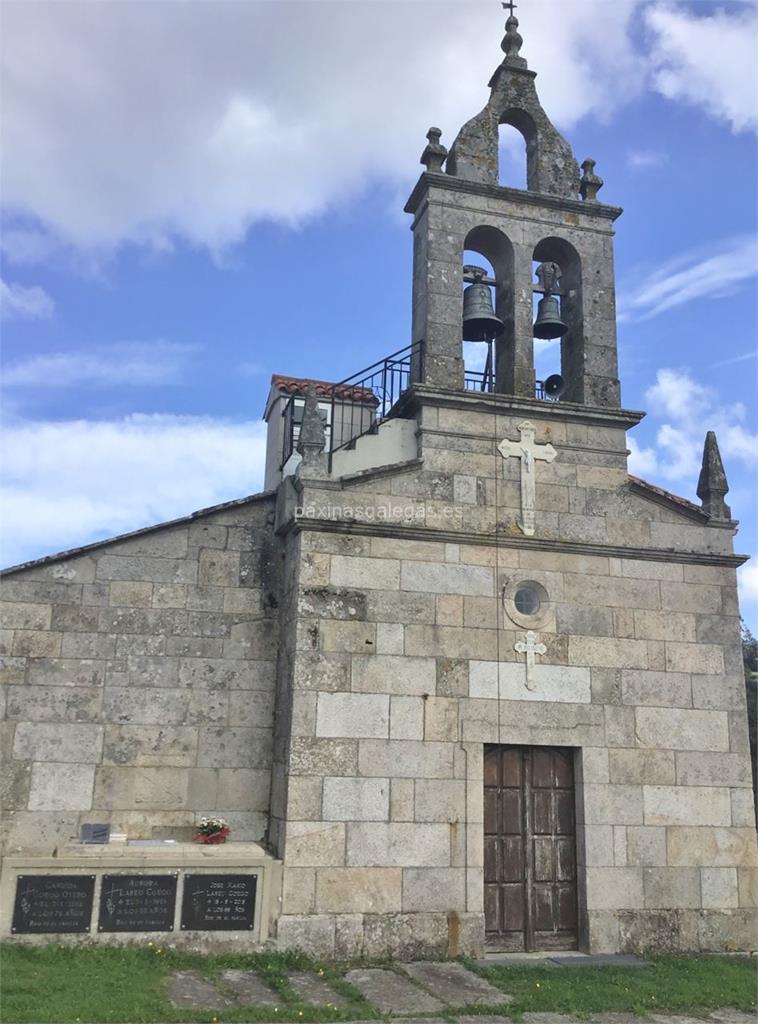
600	960
188	990
455	985
392	993
313	989
249	989
729	1016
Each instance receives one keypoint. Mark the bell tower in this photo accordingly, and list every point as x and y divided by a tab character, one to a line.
458	205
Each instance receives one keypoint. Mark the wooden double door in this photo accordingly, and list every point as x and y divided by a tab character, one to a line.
530	898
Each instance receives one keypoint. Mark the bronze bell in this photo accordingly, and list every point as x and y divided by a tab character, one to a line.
548	323
479	320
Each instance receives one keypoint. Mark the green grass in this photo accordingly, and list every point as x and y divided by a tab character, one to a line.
669	985
127	985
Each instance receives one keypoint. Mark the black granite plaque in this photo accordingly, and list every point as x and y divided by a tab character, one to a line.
218	902
52	904
137	903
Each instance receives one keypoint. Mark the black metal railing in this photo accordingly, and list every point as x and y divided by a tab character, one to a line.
358	404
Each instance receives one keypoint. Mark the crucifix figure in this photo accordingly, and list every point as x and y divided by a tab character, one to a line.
530	648
529	452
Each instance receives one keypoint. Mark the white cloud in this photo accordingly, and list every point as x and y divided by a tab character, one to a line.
642	159
194	122
687	410
707	272
747	579
144	363
20	303
708	61
70	483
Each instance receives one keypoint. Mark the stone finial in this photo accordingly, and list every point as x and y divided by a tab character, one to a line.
712	485
435	153
590	184
312	439
512	40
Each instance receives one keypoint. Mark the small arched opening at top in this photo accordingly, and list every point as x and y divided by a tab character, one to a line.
517	150
549	356
491	249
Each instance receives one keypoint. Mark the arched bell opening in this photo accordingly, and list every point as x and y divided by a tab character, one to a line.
557	318
487	339
511	157
511	171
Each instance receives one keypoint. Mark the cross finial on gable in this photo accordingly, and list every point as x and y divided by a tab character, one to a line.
508	5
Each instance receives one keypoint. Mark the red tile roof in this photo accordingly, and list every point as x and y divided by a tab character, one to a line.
299	386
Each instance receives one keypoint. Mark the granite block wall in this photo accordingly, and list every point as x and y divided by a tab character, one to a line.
138	680
404	665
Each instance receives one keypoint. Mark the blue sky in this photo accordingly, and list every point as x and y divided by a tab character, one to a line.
198	195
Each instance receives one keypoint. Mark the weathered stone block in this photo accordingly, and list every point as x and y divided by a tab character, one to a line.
711	847
405	759
614	888
352	715
433	889
441	719
612	805
54	703
570	725
507	681
398	844
299	891
432	578
348	799
32	643
606	652
225	747
26	615
315	756
747	879
440	800
315	844
671	888
313	934
702	768
406	718
638	767
388	673
700	659
358	890
40	741
451	642
131	594
365	573
719	888
659	689
61	787
150	746
686	805
344	637
646	846
725	692
682	729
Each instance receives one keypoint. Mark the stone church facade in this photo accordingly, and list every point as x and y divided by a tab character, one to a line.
468	681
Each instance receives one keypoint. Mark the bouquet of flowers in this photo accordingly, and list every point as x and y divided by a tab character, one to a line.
212	831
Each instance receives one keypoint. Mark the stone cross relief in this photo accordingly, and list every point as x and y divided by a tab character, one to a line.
530	647
529	452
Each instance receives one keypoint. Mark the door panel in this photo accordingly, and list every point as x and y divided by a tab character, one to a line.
529	848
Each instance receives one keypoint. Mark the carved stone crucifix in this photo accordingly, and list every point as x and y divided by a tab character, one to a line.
530	648
529	452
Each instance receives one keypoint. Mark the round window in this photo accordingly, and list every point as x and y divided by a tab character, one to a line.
527	601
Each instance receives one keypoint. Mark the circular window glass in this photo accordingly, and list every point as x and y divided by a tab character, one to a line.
527	601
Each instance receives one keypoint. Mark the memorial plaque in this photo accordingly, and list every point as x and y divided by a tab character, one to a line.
137	903
218	902
52	904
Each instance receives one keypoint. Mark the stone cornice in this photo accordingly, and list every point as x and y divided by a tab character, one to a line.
425	533
421	394
478	188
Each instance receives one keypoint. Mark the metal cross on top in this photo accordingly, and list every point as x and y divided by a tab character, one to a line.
531	647
510	6
528	451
